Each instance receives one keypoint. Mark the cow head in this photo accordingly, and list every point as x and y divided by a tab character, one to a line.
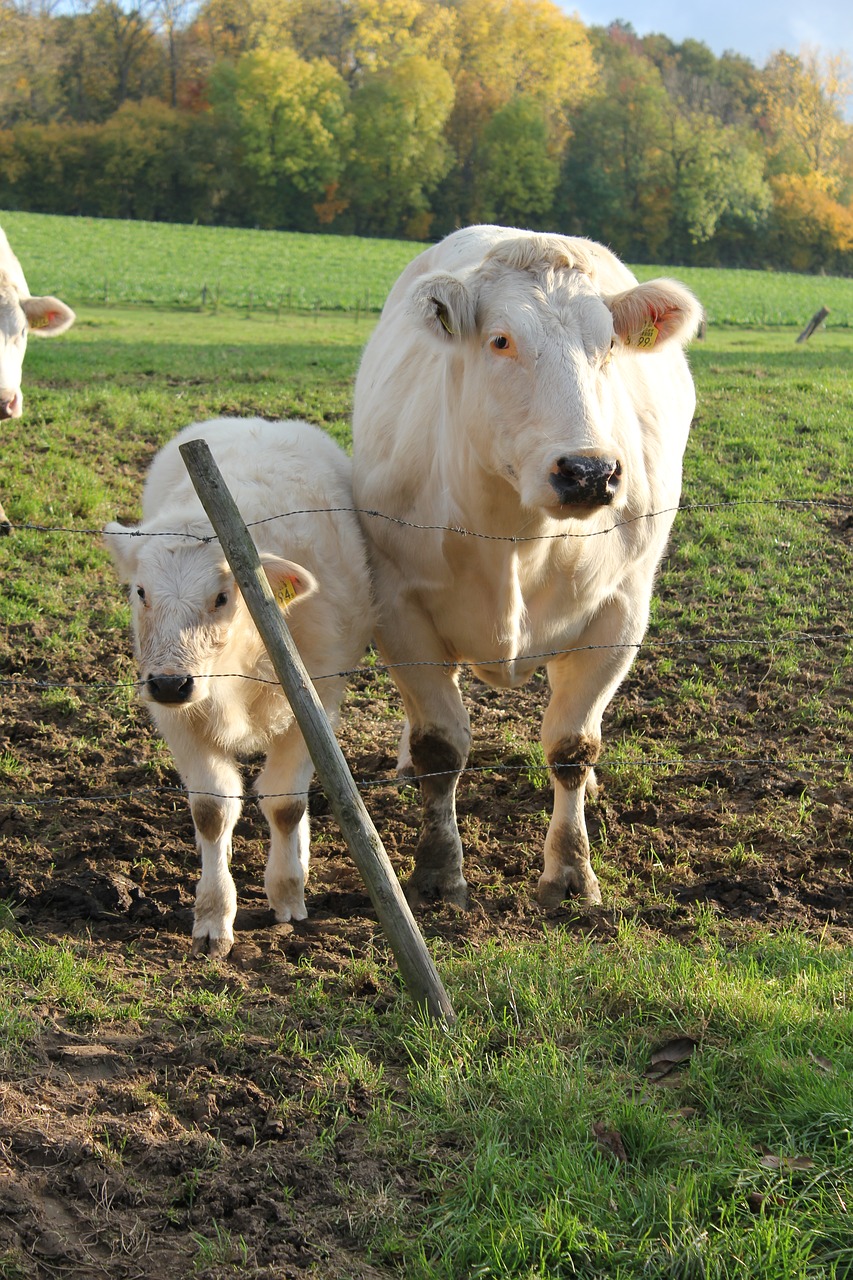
20	316
536	358
190	621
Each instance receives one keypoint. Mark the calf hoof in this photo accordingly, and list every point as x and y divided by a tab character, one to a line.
580	880
212	948
426	888
287	899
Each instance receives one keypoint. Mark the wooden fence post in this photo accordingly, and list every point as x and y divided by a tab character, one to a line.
395	916
817	318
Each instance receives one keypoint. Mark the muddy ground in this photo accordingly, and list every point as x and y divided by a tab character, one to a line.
150	1154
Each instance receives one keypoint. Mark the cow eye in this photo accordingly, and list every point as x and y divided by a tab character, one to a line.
503	345
140	591
220	600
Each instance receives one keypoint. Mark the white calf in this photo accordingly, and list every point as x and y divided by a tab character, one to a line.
204	672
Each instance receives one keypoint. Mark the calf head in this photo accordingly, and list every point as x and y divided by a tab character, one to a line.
190	621
20	316
535	362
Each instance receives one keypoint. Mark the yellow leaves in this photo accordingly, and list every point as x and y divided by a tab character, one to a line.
805	98
528	47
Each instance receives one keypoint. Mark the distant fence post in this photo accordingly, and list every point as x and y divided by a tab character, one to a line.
395	916
817	318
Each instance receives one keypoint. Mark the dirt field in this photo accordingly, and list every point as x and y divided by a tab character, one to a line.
122	1153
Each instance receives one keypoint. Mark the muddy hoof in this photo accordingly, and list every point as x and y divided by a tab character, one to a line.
427	891
212	948
550	894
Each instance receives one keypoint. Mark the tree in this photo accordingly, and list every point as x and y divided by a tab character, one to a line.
284	123
110	56
398	154
805	101
516	174
616	183
30	58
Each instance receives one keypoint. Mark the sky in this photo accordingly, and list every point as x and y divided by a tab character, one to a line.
755	29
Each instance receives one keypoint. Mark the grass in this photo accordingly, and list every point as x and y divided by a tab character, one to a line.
169	265
559	1153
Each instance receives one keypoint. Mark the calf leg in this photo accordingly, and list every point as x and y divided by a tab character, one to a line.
283	788
582	685
215	789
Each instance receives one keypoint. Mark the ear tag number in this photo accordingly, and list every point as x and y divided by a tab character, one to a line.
286	592
648	335
41	322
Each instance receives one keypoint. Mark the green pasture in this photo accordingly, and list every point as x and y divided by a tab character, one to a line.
93	260
536	1140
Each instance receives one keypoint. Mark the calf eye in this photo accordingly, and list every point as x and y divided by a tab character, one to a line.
220	600
140	591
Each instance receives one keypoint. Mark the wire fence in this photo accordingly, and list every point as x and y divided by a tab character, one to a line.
792	764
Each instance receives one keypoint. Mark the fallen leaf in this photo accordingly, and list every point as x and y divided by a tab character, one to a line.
673	1052
786	1162
610	1140
758	1201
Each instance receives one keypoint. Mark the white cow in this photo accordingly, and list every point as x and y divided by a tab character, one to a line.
204	672
21	314
523	387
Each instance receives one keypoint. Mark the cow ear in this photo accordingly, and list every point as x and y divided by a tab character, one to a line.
119	540
287	580
445	305
655	313
47	316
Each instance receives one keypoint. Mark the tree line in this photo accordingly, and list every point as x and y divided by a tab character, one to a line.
409	118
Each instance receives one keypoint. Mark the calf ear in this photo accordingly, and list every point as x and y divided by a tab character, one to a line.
119	541
654	313
444	304
47	316
287	580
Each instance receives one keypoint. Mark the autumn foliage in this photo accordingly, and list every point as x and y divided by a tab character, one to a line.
411	117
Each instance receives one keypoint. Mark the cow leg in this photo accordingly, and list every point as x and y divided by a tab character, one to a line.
439	738
582	685
215	789
283	788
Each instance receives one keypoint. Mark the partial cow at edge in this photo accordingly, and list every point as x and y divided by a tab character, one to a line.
204	673
20	315
525	387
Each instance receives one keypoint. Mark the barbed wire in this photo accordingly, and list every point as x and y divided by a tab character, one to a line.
792	638
806	764
796	503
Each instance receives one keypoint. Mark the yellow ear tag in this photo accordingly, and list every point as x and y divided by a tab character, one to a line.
286	592
648	335
41	323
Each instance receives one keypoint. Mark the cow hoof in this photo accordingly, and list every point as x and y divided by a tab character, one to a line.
5	528
551	893
212	948
428	890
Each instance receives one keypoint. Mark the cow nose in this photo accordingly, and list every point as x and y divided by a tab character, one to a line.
7	405
170	690
587	482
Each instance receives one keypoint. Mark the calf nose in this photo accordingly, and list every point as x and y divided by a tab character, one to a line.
170	690
586	482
